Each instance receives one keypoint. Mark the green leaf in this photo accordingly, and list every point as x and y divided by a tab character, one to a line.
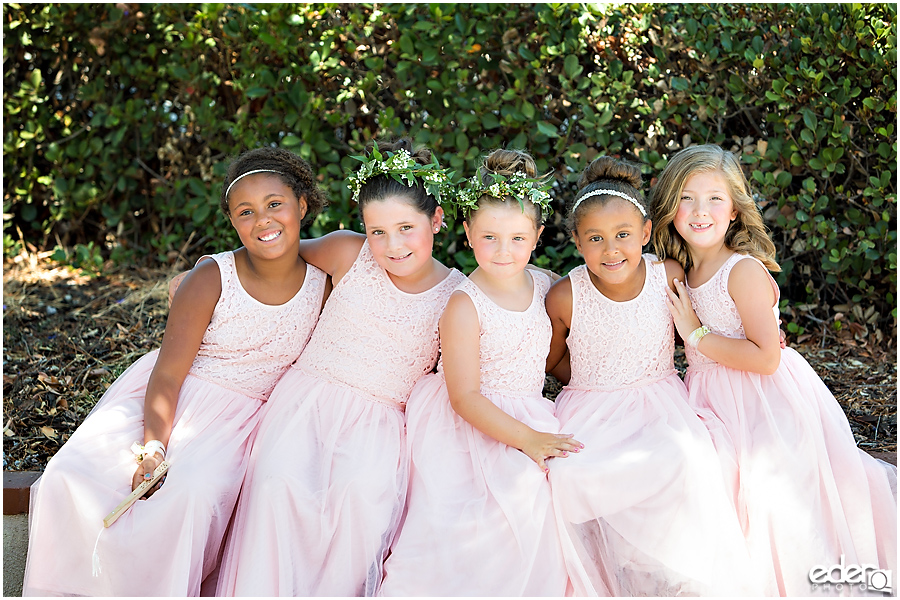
548	129
783	179
571	66
490	121
680	84
256	92
429	56
406	45
810	119
528	110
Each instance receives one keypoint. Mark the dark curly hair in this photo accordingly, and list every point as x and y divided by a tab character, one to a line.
606	173
293	171
381	186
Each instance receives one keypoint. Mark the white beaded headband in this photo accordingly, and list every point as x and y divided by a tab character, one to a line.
239	177
611	193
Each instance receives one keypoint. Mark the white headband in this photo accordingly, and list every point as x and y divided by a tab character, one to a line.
611	193
239	177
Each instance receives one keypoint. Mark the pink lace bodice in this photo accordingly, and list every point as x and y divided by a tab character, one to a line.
614	345
248	345
513	345
374	337
716	309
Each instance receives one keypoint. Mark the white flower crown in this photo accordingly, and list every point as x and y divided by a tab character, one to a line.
517	186
404	169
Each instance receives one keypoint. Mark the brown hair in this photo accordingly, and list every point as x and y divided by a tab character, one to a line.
293	171
606	173
507	163
747	234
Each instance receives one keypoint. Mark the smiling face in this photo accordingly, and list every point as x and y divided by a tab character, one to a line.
400	236
502	238
705	211
266	215
610	237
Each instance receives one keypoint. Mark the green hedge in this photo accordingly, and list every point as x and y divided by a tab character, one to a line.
117	120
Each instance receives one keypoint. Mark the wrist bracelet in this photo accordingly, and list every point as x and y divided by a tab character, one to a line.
696	336
151	447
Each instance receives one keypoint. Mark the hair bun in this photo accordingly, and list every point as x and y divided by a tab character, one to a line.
420	154
508	162
607	168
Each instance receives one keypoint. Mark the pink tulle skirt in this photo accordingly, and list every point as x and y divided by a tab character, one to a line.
805	493
644	503
323	495
479	520
165	545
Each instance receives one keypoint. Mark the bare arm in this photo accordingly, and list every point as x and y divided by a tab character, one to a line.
754	297
674	270
334	253
191	312
460	346
559	308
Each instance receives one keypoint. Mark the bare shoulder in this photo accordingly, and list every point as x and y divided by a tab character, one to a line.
559	300
196	298
748	278
459	306
560	293
459	326
747	270
201	283
674	270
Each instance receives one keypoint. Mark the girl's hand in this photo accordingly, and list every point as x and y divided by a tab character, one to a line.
145	471
686	320
539	446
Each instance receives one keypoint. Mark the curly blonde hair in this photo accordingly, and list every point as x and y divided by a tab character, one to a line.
747	234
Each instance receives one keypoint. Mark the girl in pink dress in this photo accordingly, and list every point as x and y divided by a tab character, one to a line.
644	505
479	520
234	327
327	479
808	498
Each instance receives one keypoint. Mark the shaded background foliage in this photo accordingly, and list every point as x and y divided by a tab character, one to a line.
117	119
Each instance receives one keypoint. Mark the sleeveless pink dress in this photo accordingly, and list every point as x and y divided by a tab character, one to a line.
327	478
166	545
644	503
806	494
479	519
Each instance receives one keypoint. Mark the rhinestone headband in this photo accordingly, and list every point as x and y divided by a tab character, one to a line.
254	172
611	193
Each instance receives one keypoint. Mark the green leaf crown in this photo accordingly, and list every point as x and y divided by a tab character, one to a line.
404	169
517	186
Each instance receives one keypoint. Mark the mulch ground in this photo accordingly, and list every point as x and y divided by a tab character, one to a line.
68	334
